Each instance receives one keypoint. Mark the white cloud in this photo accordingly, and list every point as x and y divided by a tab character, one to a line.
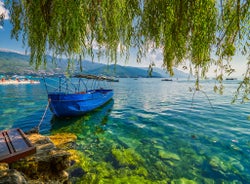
11	50
3	10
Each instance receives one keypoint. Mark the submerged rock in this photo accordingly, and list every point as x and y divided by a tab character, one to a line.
217	164
168	155
126	157
47	165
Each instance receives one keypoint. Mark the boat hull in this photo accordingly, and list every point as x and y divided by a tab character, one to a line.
62	104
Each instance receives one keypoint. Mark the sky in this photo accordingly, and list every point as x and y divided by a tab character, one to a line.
8	44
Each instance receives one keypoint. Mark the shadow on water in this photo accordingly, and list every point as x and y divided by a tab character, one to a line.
95	119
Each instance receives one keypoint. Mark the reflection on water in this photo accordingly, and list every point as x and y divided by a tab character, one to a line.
97	118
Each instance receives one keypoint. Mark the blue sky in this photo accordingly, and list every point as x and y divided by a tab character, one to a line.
6	43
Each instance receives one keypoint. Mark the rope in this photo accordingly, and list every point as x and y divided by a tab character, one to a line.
38	127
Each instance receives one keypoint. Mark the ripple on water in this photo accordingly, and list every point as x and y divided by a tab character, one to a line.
167	136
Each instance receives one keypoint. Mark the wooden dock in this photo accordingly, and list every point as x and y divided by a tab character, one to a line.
14	145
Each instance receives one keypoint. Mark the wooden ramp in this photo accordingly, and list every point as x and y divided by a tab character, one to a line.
14	145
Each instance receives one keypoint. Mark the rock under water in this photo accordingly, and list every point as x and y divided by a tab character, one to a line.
47	165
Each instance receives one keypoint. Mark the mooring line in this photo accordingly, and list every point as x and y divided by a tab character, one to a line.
38	127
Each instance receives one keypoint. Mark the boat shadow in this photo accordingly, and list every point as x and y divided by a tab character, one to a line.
95	119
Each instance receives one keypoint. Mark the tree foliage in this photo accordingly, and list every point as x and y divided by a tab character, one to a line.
183	29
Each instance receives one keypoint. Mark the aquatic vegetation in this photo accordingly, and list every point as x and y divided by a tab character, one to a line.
79	160
126	157
217	164
236	166
130	142
105	172
168	155
190	155
141	171
94	178
104	169
163	170
63	140
129	180
105	158
183	181
157	146
9	111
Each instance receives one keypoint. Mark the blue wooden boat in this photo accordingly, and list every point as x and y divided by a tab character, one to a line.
73	97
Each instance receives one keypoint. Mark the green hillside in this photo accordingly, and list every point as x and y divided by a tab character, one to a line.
122	72
17	64
13	63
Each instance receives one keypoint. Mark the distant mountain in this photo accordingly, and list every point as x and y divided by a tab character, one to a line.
122	71
17	64
12	63
165	74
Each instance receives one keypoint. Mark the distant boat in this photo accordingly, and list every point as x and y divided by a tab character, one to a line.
112	80
166	79
73	98
231	78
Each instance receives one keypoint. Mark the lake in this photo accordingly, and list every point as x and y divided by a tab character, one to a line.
152	131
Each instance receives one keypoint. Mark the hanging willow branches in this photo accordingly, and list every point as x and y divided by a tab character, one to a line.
184	29
72	27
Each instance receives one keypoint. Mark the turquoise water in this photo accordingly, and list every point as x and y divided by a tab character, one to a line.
151	132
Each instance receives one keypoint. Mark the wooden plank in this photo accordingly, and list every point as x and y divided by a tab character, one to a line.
14	145
4	150
8	143
17	140
26	139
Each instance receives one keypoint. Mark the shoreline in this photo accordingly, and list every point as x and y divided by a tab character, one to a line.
8	82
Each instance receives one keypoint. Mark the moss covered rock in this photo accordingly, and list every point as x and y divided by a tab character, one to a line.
126	157
217	164
12	176
47	165
168	155
64	140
